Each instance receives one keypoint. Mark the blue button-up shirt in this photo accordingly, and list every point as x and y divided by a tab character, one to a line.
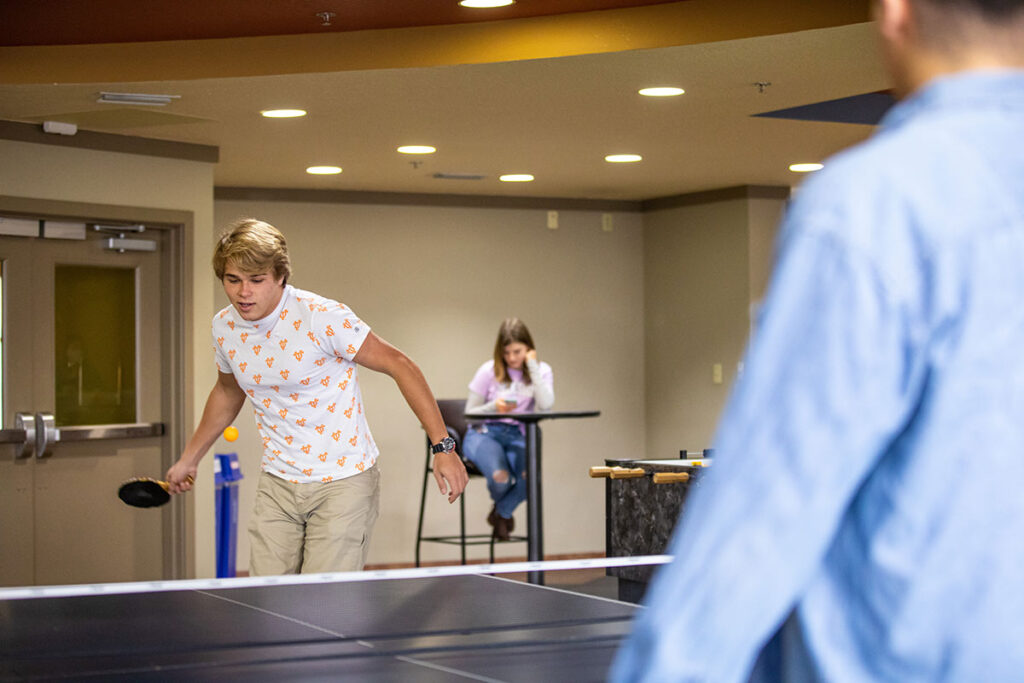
864	518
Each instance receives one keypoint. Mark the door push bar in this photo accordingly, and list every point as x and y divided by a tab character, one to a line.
38	433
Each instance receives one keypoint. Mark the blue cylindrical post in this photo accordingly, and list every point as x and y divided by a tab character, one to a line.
227	469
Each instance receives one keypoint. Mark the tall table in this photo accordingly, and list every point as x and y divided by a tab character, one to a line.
534	505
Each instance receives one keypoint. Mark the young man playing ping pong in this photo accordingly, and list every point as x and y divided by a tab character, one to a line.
294	355
864	517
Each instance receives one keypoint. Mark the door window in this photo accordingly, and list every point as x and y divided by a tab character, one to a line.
94	345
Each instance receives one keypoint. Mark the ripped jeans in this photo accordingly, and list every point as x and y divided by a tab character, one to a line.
499	449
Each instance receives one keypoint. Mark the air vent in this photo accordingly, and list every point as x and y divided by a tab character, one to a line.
459	176
137	98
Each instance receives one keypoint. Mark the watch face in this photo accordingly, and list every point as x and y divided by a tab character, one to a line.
445	445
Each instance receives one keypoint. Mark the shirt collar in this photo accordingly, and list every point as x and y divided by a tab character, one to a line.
268	322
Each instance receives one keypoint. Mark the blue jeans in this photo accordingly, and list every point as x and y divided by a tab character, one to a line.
499	447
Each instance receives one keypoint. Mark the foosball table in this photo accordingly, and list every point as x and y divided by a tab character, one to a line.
643	500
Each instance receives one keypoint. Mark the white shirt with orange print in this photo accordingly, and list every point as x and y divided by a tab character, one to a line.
296	365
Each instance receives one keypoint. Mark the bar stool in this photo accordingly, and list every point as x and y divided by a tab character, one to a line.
453	413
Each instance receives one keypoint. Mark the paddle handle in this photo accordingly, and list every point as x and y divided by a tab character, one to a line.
166	487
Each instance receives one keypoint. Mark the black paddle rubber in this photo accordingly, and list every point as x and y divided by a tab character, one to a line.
143	493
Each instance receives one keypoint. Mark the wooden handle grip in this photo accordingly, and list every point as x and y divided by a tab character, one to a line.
627	473
165	486
600	472
670	477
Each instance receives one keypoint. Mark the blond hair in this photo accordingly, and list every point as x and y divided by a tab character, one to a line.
254	247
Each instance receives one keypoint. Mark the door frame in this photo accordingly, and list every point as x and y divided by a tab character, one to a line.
178	366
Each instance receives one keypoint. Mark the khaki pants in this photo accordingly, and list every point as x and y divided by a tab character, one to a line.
312	528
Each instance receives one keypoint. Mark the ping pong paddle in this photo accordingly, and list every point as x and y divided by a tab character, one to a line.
144	492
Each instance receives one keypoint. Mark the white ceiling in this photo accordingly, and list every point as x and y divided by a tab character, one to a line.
555	118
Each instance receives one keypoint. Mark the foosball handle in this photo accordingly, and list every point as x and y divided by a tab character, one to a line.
627	473
598	472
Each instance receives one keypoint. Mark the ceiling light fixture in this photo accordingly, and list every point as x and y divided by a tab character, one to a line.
137	98
805	168
417	149
283	113
516	178
323	170
622	158
661	91
486	4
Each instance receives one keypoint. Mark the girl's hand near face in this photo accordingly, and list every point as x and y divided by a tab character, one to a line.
531	354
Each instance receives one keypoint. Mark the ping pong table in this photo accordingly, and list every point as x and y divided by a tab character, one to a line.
445	628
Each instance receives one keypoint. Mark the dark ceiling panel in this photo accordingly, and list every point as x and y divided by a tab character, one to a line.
868	109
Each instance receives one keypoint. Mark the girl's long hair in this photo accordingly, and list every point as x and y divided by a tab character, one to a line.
512	330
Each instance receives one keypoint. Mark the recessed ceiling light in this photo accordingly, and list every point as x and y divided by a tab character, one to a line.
323	170
283	113
516	178
484	4
417	149
622	158
661	91
805	168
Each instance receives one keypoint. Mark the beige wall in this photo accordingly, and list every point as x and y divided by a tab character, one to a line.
704	267
49	172
763	218
632	321
436	282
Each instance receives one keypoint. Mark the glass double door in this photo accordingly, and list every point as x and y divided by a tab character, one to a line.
83	407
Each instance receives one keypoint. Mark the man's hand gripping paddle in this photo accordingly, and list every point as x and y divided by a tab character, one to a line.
145	492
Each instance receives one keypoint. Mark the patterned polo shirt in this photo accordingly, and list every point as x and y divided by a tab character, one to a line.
297	368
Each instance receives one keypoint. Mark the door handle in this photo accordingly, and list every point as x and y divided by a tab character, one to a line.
46	434
23	436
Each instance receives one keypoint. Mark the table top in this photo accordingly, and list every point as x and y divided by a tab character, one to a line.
474	627
534	416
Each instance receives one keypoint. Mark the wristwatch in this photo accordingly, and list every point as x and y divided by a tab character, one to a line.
447	445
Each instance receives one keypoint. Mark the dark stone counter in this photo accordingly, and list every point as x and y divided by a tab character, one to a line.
641	515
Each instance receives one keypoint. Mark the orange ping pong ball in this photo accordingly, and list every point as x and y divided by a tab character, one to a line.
231	433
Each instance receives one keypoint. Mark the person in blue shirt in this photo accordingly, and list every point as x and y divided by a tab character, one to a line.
864	518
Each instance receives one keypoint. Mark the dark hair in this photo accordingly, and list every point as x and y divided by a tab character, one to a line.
992	9
253	246
512	330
